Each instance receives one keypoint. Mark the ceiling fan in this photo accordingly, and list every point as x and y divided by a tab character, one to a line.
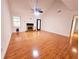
36	9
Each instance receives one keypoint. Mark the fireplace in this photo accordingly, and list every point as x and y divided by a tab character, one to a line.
29	26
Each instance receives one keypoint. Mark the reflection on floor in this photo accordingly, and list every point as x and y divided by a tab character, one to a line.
75	46
38	45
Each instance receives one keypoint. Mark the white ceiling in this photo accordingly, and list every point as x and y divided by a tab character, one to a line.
23	5
71	4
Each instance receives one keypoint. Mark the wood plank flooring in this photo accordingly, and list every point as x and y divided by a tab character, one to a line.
37	45
75	45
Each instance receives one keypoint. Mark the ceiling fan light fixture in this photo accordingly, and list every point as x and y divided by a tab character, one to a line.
36	13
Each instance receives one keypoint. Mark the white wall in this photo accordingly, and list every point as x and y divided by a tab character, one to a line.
24	20
58	22
23	9
52	21
5	28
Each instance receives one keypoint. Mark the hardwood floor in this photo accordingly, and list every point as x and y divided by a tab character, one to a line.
38	45
75	46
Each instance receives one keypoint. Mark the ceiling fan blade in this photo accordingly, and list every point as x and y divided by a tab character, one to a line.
41	11
36	8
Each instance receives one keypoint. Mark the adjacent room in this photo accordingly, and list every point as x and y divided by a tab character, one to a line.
39	29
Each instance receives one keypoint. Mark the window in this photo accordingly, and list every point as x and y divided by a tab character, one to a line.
16	21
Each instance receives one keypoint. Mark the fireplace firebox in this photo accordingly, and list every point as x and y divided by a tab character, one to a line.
29	26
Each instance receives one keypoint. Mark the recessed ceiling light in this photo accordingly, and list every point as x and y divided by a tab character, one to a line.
59	11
